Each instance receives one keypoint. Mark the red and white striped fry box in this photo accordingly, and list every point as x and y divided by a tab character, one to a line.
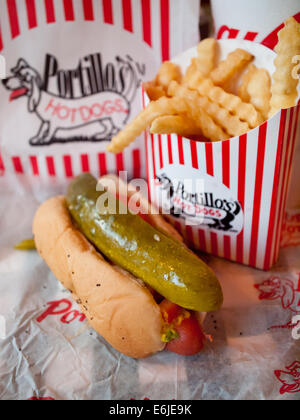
74	68
257	20
231	194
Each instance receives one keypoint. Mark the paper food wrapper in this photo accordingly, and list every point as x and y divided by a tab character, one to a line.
237	212
74	69
47	350
260	21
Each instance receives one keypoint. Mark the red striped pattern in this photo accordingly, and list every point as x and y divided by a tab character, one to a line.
190	236
17	163
67	160
50	13
170	150
31	14
2	167
257	192
102	164
136	156
194	154
120	162
241	192
69	10
180	150
85	164
34	165
88	10
274	203
202	240
108	11
161	161
146	17
1	40
209	159
226	182
50	166
165	29
13	18
127	15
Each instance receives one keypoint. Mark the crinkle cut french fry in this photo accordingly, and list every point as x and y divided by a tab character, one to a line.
231	124
199	114
284	86
181	125
164	106
168	72
256	89
154	92
234	104
207	56
234	63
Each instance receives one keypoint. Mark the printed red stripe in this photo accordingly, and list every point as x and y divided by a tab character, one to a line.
177	226
136	157
69	10
50	14
120	162
214	243
271	40
1	40
146	15
292	141
17	165
108	11
298	289
147	162
161	162
13	18
50	165
227	247
250	36
257	192
2	167
274	200
154	168
88	10
180	150
34	165
190	236
170	152
165	29
226	163
241	192
68	166
102	164
288	145
85	164
209	159
127	15
202	240
194	154
31	14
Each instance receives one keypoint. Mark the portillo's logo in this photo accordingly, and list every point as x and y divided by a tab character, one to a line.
91	102
197	205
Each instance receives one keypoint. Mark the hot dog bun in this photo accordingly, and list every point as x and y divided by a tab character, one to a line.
119	307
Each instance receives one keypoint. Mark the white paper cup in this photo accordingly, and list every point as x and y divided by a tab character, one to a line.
245	180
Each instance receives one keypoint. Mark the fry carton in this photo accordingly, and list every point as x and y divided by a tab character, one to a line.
227	198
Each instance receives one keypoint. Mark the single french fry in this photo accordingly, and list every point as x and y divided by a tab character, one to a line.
181	125
191	71
200	114
256	89
244	111
231	124
207	56
284	86
168	72
234	63
163	106
154	92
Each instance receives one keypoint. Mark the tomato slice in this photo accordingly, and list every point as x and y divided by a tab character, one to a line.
191	338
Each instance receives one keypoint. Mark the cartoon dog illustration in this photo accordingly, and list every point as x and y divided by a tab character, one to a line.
64	119
280	288
290	378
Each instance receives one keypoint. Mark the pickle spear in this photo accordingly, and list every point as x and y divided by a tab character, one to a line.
131	243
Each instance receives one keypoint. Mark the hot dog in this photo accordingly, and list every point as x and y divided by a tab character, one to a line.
110	279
